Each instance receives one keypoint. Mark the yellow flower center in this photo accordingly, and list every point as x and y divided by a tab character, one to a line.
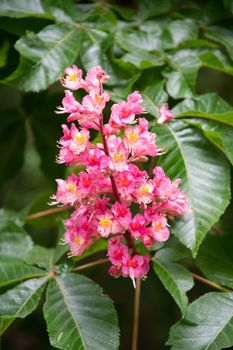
73	76
72	187
132	136
99	99
105	221
77	240
158	225
144	189
118	157
80	138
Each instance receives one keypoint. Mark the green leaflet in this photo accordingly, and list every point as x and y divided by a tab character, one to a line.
204	174
207	324
55	43
90	318
174	276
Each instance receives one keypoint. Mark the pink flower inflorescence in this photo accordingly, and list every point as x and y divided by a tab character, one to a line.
112	196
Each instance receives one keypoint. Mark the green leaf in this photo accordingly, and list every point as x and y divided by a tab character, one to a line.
209	106
46	142
98	246
44	56
40	256
151	8
204	174
22	8
216	59
3	53
207	324
181	80
12	147
90	318
182	31
222	35
175	277
154	97
140	40
50	9
16	272
143	59
215	259
20	301
219	134
14	245
11	219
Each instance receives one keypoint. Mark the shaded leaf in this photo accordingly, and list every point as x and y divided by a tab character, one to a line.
11	220
14	245
209	106
219	134
40	256
50	9
175	277
151	8
90	318
207	324
154	97
216	59
222	35
181	80
12	147
215	259
204	175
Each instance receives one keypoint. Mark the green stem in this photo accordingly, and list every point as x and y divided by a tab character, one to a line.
91	264
45	213
211	283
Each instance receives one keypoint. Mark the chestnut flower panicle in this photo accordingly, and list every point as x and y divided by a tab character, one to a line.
112	181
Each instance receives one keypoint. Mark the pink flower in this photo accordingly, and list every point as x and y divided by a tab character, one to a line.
124	113
144	193
110	187
159	231
118	154
95	160
67	191
125	184
140	141
122	214
73	79
165	115
116	251
136	266
95	78
69	103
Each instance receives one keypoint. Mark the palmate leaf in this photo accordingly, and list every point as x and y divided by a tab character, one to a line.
174	276
44	56
20	301
207	325
16	272
208	106
215	259
204	174
79	316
